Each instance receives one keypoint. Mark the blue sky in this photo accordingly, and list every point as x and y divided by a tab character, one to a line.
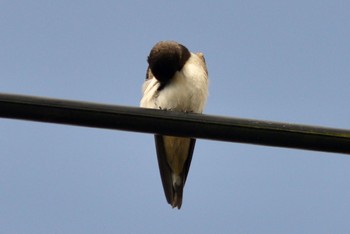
284	61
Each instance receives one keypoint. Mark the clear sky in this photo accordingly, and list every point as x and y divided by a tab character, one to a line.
286	61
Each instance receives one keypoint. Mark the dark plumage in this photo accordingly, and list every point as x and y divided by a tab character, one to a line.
167	57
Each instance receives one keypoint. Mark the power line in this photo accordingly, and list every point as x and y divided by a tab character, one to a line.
174	123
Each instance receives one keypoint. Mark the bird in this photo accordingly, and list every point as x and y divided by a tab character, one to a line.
176	80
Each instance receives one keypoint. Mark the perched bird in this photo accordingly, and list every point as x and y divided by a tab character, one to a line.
176	80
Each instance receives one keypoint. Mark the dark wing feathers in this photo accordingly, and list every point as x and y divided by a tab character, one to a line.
164	168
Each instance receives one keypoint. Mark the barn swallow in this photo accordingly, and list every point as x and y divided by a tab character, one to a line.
176	80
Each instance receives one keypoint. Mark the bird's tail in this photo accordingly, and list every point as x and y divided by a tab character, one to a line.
177	191
174	180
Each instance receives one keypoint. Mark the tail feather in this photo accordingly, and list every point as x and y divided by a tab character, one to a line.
177	196
173	182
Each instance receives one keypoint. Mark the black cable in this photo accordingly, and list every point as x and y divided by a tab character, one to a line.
174	123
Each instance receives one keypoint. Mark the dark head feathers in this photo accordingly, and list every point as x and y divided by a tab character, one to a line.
165	58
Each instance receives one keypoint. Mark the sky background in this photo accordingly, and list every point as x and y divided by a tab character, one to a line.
286	61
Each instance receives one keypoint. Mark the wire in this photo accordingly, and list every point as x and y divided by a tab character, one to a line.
174	123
